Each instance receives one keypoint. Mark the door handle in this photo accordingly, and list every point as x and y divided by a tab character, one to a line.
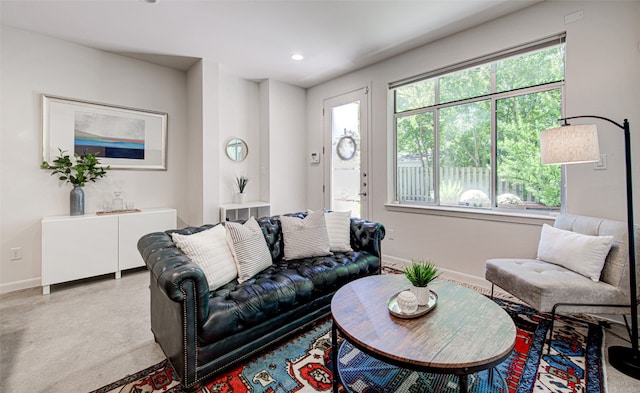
363	194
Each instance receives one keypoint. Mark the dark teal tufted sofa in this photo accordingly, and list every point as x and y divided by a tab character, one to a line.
203	332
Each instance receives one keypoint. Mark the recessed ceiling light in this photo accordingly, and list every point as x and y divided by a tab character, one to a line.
297	56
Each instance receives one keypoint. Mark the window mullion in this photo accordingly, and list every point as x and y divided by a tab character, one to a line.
494	159
494	141
436	157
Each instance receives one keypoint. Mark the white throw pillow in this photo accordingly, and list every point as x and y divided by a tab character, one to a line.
338	230
209	250
580	253
305	238
250	249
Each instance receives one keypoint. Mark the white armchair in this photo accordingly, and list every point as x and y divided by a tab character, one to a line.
546	286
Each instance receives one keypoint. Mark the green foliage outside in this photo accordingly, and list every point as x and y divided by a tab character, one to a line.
520	119
465	129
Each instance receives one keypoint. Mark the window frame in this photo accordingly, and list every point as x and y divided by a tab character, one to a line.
493	97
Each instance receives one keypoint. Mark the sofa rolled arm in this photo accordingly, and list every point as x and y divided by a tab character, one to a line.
171	269
367	236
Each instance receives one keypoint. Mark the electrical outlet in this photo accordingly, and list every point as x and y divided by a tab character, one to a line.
15	253
390	234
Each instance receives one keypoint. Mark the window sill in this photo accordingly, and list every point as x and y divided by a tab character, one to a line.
475	214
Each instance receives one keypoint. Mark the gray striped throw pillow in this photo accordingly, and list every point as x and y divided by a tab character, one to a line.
250	250
305	238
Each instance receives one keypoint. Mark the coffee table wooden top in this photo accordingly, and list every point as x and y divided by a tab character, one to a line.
465	333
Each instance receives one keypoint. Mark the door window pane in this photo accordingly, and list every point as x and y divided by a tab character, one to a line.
523	182
415	144
465	155
345	158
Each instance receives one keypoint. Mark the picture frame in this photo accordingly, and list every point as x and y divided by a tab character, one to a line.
121	137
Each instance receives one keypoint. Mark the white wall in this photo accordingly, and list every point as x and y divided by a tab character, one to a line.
206	107
239	118
194	209
602	78
287	165
32	65
211	141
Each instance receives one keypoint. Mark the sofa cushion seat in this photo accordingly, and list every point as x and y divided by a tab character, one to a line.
542	284
280	288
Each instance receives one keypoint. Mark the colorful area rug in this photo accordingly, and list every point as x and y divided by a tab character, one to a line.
302	364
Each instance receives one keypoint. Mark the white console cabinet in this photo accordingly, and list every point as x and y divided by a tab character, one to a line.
76	247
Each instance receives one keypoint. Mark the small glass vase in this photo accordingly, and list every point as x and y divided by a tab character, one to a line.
76	201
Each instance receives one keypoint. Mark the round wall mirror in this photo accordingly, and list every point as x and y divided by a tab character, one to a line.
236	149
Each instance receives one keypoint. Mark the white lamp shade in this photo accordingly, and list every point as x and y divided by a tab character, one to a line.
570	144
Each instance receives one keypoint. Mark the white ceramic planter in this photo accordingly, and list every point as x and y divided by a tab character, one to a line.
422	293
239	197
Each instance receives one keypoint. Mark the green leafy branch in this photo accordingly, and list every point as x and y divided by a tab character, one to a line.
86	168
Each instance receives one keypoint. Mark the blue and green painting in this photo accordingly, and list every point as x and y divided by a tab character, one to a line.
109	136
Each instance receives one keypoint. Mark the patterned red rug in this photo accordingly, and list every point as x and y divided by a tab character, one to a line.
301	365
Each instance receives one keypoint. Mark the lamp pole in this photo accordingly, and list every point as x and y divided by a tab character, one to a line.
624	359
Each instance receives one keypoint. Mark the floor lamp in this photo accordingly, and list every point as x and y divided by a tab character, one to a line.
574	144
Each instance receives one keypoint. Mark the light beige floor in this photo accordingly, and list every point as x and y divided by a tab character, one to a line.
94	332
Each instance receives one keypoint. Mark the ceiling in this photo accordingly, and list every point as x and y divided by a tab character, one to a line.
255	39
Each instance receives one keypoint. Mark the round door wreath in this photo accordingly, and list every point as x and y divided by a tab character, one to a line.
346	148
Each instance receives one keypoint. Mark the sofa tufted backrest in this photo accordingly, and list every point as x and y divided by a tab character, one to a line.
616	268
272	231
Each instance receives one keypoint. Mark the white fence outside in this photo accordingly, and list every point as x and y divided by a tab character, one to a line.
416	184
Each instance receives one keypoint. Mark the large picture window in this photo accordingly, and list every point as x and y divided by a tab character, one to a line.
467	136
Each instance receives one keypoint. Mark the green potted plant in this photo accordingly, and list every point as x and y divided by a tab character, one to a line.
420	274
241	185
77	171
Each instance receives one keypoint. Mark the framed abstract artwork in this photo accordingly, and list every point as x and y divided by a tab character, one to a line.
124	138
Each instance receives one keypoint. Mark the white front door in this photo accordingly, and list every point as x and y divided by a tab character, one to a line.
346	179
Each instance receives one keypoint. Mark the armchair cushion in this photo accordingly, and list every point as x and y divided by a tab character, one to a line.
583	254
541	285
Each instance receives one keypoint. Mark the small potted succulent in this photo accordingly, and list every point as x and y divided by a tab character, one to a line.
420	274
77	171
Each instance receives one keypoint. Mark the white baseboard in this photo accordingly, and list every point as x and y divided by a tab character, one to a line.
18	285
399	263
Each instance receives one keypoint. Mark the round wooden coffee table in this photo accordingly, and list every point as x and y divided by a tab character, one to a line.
464	334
